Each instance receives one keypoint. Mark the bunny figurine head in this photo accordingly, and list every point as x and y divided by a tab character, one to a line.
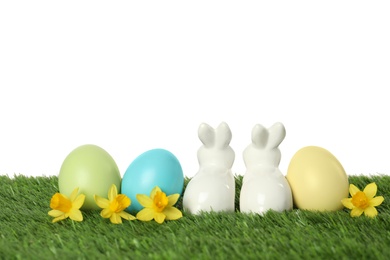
215	150
264	151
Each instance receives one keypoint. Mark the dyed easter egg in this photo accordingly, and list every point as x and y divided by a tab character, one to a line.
157	167
92	170
317	179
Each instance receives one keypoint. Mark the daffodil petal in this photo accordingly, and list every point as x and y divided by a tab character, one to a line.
76	215
106	213
353	189
78	202
370	212
115	219
144	200
74	194
159	217
154	191
172	213
112	192
145	215
376	201
370	190
101	202
347	202
59	218
172	199
126	215
55	213
356	212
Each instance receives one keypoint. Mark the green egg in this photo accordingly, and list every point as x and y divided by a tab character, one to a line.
92	170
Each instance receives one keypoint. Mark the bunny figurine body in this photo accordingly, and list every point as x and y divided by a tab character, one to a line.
213	186
264	187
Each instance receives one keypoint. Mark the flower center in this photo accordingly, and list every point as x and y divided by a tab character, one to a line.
59	202
160	201
120	203
360	200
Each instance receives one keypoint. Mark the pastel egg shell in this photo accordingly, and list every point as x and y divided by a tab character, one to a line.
92	170
317	179
156	167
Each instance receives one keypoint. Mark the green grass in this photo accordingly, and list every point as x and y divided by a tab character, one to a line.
26	231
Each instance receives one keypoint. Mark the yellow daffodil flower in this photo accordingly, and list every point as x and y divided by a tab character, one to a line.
63	207
114	206
363	201
158	206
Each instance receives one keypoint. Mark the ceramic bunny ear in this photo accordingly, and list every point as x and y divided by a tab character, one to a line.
220	137
206	134
224	135
268	138
277	133
259	136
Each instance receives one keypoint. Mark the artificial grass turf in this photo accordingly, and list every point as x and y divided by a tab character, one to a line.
26	231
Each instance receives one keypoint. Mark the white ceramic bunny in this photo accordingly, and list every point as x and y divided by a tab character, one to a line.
213	186
264	187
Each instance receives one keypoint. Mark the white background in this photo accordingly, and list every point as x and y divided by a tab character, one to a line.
130	77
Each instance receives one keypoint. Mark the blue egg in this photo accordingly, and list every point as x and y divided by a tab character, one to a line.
156	167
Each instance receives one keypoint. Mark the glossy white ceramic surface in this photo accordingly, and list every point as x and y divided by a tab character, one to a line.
213	186
264	186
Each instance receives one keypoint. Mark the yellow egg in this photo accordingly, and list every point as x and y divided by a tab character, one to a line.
317	179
